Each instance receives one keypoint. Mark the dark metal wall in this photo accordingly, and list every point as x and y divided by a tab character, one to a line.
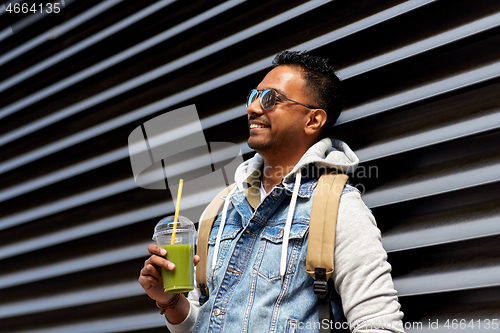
422	113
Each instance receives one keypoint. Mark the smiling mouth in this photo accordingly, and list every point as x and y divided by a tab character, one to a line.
257	126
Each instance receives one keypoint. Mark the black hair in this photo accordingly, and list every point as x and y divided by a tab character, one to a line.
324	85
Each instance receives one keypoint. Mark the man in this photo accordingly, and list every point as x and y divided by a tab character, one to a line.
260	283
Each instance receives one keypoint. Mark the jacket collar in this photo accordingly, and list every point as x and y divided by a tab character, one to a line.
307	186
251	187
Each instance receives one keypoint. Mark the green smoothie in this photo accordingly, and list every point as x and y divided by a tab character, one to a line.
180	280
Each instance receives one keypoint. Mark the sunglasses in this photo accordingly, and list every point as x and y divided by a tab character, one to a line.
268	98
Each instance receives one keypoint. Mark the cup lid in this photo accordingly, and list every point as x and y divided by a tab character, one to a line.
166	226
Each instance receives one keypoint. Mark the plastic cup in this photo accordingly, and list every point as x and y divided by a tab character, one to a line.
180	252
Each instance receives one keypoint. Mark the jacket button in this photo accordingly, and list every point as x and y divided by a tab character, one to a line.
217	312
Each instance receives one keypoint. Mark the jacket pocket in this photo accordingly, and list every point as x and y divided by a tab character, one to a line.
228	235
269	256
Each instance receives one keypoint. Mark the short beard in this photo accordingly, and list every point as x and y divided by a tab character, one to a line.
257	146
266	147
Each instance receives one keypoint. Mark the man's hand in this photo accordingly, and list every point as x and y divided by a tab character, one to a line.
150	277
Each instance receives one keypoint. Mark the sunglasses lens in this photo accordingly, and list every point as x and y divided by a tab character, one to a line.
252	96
268	99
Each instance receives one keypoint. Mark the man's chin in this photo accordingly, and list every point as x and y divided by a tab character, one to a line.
262	148
255	145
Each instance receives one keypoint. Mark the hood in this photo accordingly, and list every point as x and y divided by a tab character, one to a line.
331	153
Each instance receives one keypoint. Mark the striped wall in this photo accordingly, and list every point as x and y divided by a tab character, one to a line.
422	113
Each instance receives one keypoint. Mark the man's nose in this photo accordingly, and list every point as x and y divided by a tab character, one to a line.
255	107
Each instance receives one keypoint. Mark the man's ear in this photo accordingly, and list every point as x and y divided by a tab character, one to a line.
316	120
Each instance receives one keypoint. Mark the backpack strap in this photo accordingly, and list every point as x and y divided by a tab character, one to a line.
202	244
323	223
321	239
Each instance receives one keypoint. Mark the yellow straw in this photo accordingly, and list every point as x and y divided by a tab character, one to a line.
176	216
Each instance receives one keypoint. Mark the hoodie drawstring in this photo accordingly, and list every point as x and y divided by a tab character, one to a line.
288	224
221	227
286	232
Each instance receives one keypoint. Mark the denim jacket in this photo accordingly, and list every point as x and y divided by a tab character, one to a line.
247	293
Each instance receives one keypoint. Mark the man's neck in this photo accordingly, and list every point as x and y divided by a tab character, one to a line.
274	170
280	163
272	175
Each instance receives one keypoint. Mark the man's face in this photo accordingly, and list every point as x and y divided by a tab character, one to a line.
281	128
